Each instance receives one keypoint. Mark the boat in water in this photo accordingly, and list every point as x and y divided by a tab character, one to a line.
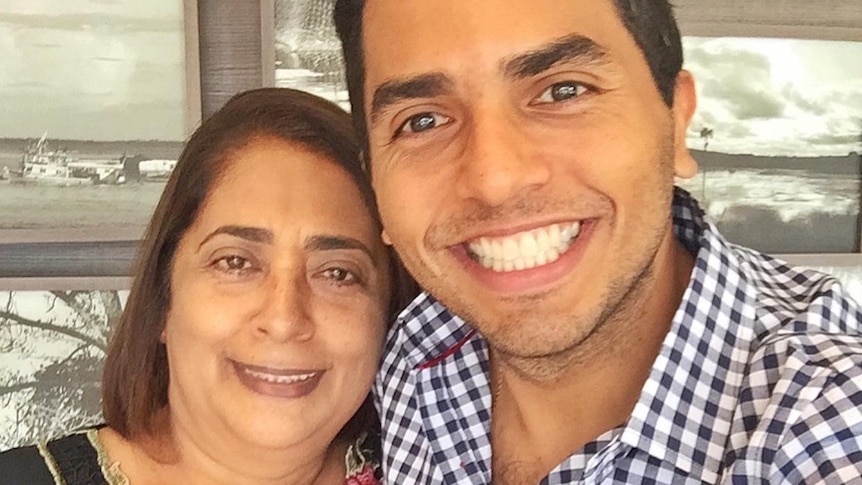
41	165
154	170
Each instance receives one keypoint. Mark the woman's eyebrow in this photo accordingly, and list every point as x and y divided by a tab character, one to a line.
566	49
249	233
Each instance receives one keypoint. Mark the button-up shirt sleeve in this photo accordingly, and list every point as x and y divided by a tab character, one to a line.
809	426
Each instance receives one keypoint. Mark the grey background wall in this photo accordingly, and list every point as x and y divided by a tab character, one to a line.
230	36
823	19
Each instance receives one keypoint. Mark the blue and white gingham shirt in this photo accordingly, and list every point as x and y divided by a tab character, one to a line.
758	381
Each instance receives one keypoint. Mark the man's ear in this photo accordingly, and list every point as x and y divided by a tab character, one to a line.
684	104
385	238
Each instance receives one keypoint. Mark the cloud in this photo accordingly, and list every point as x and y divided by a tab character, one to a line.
740	81
818	106
721	129
851	99
92	120
96	83
832	139
746	101
703	118
76	22
737	131
127	9
772	96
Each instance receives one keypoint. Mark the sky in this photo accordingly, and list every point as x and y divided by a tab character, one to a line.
92	69
777	96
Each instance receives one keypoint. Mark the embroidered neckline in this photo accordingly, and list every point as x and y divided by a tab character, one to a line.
111	471
360	461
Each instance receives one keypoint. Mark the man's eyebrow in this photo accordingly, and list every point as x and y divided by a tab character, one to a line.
253	234
421	86
569	48
329	243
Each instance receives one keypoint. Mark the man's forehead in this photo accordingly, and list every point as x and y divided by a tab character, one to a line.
404	38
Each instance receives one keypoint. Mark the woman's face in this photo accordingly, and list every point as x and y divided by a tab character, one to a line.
278	298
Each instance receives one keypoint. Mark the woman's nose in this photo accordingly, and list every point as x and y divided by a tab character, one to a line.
284	313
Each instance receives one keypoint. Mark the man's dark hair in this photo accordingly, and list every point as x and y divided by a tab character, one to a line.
650	22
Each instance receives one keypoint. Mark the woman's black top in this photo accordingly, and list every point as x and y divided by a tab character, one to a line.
78	459
74	458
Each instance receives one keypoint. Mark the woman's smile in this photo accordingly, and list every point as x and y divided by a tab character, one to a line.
278	382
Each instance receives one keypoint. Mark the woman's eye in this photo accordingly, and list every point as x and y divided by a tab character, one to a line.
233	264
422	122
561	92
341	276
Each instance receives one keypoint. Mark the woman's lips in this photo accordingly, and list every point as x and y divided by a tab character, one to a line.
284	383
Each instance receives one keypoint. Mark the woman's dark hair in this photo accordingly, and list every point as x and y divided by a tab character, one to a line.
650	22
135	381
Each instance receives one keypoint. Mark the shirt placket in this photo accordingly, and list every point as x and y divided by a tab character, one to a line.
457	425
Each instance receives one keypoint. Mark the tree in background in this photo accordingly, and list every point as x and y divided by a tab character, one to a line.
706	135
52	346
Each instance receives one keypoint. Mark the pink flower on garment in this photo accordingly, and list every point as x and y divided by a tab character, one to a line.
365	477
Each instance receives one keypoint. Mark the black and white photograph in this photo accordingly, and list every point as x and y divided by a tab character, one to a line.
778	136
307	50
53	347
95	110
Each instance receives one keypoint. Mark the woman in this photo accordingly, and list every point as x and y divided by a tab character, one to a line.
256	319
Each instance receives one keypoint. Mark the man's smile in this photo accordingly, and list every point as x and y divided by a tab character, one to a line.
524	250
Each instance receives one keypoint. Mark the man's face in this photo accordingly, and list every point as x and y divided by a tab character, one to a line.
523	160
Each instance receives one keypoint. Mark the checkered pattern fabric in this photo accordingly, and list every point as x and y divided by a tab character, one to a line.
759	380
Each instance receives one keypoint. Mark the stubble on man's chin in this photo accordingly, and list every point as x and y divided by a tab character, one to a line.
595	338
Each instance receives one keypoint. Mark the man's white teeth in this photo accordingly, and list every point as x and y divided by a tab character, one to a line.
526	249
279	379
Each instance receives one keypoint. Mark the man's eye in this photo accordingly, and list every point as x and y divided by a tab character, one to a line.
422	122
561	92
233	264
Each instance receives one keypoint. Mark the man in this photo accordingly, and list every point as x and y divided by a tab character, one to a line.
583	320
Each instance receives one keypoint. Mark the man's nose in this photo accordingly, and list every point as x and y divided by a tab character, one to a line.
499	161
284	315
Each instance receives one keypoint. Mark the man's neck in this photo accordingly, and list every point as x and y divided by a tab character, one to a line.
539	423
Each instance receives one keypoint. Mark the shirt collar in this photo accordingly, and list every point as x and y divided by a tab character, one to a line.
432	332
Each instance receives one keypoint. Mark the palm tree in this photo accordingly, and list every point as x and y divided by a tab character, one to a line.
706	134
